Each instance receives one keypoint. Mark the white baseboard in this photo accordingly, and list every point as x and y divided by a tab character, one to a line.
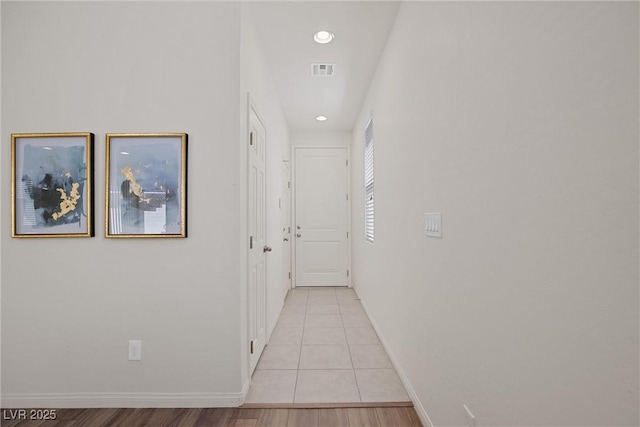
125	400
422	413
245	390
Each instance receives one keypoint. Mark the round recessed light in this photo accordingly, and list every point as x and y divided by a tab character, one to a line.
323	37
321	118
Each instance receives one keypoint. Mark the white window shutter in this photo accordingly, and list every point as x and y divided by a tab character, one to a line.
369	203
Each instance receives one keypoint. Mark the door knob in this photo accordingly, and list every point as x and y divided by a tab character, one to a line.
286	239
298	227
266	249
298	235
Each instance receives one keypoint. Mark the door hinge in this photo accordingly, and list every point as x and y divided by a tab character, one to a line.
347	197
347	273
347	234
250	242
289	184
250	138
251	346
289	275
347	162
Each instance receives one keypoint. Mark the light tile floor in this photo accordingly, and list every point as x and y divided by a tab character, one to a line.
324	350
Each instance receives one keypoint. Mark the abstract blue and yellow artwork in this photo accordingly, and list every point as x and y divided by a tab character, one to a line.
146	185
52	185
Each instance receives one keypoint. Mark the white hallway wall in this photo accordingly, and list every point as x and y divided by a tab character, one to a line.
159	70
256	79
319	138
70	305
519	122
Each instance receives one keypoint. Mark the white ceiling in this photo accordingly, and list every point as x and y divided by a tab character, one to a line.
286	31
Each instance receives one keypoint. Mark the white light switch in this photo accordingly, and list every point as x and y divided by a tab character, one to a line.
135	350
433	226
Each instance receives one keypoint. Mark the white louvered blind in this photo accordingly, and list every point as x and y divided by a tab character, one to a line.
369	205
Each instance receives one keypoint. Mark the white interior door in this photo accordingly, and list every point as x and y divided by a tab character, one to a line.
286	223
257	238
321	217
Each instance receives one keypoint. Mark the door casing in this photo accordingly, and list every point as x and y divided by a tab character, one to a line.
256	241
285	206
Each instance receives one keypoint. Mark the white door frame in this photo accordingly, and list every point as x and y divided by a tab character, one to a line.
251	107
286	232
293	208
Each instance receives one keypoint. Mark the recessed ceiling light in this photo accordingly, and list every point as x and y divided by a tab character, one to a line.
323	37
321	118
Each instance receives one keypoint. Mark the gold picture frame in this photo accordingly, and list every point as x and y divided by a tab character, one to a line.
52	184
146	185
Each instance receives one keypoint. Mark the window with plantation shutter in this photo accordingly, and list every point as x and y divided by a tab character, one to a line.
369	200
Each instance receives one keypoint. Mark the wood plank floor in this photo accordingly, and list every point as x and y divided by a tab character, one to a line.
223	417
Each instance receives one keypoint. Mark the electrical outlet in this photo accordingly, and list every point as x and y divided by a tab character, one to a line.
471	419
135	350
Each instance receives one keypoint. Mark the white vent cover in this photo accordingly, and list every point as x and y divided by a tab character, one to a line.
322	69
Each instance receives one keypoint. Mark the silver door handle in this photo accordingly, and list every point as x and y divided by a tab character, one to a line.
286	239
298	235
266	249
298	227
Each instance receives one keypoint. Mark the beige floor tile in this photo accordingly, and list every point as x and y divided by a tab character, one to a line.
272	386
279	357
296	299
347	299
361	336
326	386
321	336
380	385
346	292
321	299
322	309
325	357
286	336
319	290
359	320
323	321
369	357
352	309
296	309
324	336
291	320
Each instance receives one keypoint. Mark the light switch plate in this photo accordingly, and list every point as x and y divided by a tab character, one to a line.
135	350
433	224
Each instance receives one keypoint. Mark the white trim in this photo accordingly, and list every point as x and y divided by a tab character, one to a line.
293	207
270	332
349	266
422	413
125	400
252	107
245	390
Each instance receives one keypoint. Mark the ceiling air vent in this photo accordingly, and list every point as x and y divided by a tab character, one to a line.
322	69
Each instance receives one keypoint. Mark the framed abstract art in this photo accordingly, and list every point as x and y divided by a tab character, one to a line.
51	184
146	182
